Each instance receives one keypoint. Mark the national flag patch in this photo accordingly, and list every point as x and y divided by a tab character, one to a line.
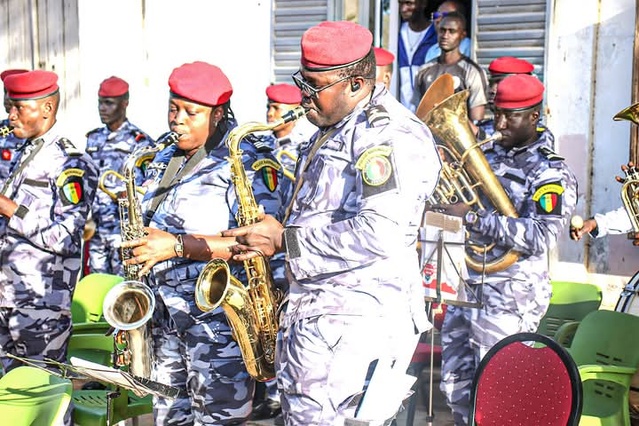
548	198
70	184
268	169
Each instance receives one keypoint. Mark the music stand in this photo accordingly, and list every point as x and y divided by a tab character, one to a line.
83	369
445	226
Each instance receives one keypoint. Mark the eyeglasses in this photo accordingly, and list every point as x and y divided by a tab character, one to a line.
438	15
312	91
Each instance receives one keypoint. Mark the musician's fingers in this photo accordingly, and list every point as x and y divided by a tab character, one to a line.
134	243
235	232
620	179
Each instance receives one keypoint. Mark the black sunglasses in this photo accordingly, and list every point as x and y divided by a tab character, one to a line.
311	90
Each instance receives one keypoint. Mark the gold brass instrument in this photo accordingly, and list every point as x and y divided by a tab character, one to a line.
466	171
5	131
251	309
284	153
630	188
129	305
111	194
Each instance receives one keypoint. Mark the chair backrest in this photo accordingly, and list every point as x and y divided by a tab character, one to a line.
570	301
31	396
88	297
526	378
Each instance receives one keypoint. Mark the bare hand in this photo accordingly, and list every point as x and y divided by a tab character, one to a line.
263	238
155	247
588	226
458	209
627	169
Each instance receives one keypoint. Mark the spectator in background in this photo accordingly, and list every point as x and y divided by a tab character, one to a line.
109	146
384	60
416	36
436	17
8	141
466	73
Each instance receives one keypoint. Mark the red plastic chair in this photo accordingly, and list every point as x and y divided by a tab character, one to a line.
526	379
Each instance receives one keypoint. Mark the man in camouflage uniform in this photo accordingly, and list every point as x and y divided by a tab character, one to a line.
543	191
355	296
8	141
44	206
109	146
195	350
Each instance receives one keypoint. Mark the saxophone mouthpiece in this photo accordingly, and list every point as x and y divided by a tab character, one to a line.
167	139
294	114
496	136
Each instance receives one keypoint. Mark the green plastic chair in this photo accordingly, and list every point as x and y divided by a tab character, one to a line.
30	396
606	350
86	305
569	304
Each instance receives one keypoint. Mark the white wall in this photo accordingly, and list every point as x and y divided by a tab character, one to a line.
588	80
234	35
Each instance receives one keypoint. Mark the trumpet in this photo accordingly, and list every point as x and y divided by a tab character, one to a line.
630	188
5	131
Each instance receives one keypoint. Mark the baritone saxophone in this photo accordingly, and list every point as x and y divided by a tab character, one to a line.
251	310
129	305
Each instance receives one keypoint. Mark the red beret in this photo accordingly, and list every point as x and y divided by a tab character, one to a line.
7	73
334	44
383	57
510	65
200	82
284	94
519	91
113	87
31	85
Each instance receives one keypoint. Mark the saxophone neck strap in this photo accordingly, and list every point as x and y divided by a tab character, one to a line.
175	171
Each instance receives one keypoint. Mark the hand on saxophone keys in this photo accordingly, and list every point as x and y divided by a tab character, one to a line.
263	238
155	247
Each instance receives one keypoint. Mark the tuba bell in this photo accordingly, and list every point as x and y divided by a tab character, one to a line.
466	174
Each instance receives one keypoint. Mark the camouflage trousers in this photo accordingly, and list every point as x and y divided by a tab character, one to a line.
104	255
35	334
324	363
467	335
204	362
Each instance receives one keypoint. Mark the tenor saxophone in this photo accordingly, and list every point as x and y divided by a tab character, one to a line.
251	309
129	305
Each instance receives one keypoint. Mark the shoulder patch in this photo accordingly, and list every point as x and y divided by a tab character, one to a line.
377	115
547	198
549	154
267	169
68	147
376	166
70	184
90	132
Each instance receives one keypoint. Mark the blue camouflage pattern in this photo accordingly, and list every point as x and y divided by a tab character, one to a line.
194	350
41	248
109	151
543	191
353	270
9	146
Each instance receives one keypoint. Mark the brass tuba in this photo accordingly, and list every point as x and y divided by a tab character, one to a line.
129	305
465	172
630	188
251	309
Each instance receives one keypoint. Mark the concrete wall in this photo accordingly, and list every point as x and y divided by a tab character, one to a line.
143	41
588	80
